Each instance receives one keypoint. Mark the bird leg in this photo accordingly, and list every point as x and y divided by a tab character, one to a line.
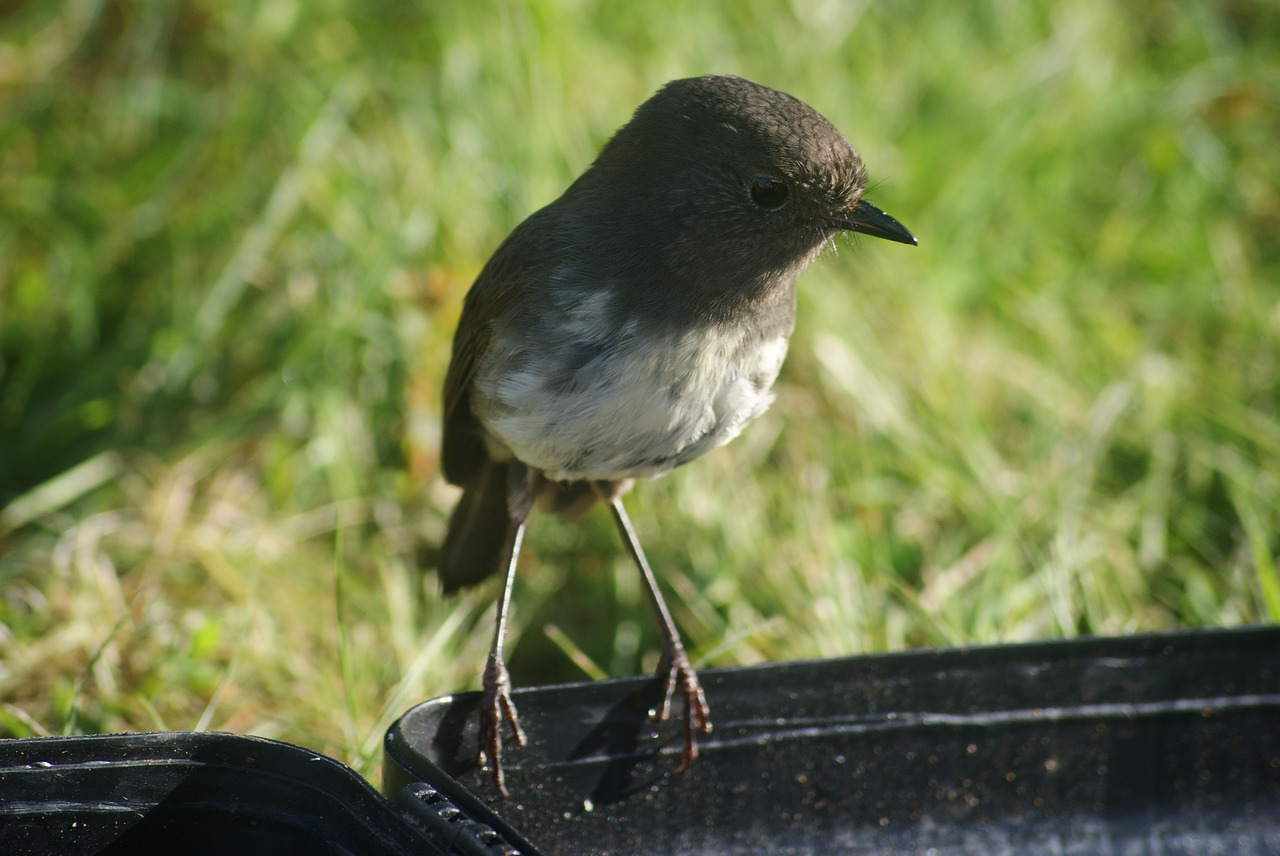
673	667
495	700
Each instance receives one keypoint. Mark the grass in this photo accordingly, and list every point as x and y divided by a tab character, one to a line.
234	241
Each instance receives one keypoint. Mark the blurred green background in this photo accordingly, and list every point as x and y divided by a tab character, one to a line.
234	241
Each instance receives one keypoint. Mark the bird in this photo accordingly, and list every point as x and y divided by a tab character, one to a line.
630	326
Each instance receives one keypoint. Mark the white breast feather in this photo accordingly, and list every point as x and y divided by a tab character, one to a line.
638	411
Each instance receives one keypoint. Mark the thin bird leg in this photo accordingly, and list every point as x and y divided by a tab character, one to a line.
495	701
674	667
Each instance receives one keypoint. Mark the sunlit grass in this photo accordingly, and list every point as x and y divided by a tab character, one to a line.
234	241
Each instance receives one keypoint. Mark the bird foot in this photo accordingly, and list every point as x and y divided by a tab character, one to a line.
677	673
496	706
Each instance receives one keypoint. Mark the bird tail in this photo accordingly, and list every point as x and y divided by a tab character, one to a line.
473	543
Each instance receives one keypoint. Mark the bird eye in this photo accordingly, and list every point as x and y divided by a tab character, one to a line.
767	193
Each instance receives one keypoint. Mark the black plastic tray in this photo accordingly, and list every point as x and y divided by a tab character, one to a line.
1160	744
1142	745
186	793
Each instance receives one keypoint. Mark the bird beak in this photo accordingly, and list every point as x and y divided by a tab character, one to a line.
870	220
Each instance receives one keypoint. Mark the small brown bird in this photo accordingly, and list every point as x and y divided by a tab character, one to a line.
633	324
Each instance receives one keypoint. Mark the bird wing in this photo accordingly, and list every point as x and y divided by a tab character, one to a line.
463	451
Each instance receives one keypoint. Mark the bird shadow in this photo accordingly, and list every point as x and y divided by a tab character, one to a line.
622	753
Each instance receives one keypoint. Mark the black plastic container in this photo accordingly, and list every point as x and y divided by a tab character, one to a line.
1165	744
187	794
1161	744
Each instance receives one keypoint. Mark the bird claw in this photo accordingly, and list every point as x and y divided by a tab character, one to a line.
496	706
677	673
